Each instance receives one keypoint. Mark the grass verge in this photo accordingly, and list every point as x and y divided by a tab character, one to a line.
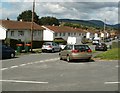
112	54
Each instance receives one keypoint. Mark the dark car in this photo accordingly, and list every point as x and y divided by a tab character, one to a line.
101	47
7	52
71	52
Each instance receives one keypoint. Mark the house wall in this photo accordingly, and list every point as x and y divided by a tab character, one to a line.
68	34
48	35
26	37
88	35
2	33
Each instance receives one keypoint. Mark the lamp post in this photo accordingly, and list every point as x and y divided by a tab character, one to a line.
32	25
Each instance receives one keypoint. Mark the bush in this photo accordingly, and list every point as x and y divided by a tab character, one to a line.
60	42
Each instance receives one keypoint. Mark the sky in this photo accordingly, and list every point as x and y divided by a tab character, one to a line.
104	10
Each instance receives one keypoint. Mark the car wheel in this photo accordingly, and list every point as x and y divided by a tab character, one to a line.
60	56
12	55
53	51
68	58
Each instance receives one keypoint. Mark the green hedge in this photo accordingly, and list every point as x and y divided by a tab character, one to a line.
60	41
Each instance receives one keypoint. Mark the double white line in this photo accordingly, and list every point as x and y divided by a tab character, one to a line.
30	63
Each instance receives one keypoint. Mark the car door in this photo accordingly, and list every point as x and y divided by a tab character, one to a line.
66	51
56	47
5	51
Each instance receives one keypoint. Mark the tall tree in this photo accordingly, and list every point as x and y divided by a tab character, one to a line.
48	21
27	16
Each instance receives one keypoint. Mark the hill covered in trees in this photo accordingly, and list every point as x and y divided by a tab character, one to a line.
90	23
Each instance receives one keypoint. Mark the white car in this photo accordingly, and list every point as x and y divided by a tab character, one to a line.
51	47
94	42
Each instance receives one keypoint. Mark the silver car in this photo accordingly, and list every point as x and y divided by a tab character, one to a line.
51	47
71	52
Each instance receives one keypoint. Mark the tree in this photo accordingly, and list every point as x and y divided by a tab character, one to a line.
49	21
27	16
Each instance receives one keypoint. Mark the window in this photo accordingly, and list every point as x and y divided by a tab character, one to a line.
12	33
63	34
20	33
60	34
68	34
74	34
56	34
68	47
34	33
39	32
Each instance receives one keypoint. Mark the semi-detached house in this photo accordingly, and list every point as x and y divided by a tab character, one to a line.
52	32
20	30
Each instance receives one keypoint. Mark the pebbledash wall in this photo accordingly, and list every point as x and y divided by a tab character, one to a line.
25	35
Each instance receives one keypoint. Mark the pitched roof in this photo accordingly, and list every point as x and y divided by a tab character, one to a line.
64	29
9	24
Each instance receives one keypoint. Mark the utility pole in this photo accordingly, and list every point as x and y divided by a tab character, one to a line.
32	25
104	31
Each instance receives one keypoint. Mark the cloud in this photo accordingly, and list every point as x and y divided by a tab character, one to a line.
69	10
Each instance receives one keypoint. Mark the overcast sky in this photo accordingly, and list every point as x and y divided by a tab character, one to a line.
70	9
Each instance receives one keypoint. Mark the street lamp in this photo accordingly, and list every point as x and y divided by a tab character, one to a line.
32	24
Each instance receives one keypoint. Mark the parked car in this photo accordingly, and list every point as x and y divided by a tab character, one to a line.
51	47
75	51
7	52
94	42
101	46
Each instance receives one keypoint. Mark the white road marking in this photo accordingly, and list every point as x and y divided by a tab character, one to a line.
117	66
22	64
41	61
13	66
29	64
19	81
111	82
4	69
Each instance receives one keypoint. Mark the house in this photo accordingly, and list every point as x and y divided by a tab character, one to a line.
20	30
52	32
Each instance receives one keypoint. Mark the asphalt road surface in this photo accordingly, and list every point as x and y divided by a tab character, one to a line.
45	72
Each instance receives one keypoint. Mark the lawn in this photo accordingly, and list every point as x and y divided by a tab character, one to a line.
111	54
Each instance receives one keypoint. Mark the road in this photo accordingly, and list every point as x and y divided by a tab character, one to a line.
45	72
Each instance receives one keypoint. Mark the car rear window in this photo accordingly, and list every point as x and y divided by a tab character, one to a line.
81	47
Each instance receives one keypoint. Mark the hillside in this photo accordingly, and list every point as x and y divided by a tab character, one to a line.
92	23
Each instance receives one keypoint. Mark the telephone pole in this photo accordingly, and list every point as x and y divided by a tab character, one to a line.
104	31
32	25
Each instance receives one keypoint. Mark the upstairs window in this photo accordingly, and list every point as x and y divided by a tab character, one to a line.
56	34
20	33
68	34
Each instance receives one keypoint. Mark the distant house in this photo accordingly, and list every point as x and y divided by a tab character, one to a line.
52	32
20	30
92	34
